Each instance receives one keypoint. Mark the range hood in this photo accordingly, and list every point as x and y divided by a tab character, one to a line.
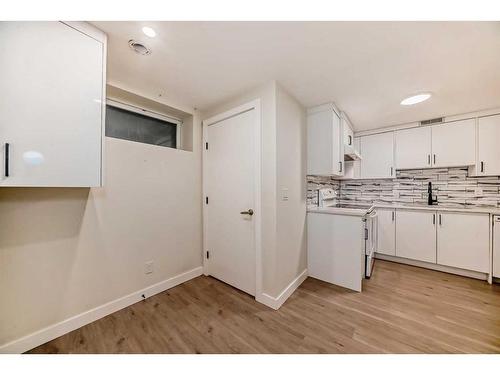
350	153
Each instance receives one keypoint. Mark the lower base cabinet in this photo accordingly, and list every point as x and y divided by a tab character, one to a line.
453	239
416	235
463	241
335	249
386	235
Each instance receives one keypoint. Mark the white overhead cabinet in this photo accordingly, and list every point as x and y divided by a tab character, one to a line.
386	231
325	140
52	79
463	241
353	168
377	153
413	148
451	144
347	130
488	133
454	144
416	235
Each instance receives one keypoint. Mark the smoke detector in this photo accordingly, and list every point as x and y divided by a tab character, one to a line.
139	47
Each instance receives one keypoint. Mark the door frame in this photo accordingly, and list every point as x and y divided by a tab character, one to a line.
256	106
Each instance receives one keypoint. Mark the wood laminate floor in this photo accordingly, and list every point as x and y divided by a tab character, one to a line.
403	309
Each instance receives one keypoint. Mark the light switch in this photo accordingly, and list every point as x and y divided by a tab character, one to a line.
284	194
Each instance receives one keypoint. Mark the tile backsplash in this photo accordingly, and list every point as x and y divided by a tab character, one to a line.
453	187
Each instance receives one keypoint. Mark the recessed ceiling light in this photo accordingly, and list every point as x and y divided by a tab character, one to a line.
414	99
139	47
149	31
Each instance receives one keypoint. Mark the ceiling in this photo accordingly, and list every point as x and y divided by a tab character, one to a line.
366	68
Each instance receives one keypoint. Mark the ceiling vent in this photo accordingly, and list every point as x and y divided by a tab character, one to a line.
139	47
436	120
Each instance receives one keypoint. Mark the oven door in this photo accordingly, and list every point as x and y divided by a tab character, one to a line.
371	240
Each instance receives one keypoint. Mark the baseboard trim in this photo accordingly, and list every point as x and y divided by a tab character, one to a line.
276	302
51	332
435	267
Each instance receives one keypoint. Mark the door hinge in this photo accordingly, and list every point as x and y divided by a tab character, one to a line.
206	200
208	254
206	145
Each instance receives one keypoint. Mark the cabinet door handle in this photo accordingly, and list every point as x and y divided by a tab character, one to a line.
340	166
434	219
439	219
482	166
391	171
392	215
434	158
429	159
349	137
7	152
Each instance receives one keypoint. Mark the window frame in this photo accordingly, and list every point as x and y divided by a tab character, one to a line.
145	112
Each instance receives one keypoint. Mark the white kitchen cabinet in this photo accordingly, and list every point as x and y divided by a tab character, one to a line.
347	130
463	240
416	235
454	144
335	249
52	79
496	246
325	151
488	146
377	152
413	148
386	231
353	168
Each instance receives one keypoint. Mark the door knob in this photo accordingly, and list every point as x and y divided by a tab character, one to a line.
249	212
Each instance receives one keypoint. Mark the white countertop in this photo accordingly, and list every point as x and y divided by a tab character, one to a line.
362	212
413	206
338	211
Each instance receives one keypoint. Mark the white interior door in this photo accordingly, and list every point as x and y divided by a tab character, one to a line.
230	188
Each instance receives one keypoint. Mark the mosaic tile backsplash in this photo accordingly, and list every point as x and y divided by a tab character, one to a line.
453	187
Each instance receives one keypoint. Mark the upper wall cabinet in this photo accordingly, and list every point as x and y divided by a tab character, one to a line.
377	153
454	144
447	145
413	148
325	151
488	134
52	79
348	131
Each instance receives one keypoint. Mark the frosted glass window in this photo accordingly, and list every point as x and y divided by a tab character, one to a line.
135	127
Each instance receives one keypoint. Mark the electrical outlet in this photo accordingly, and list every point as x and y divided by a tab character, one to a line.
148	267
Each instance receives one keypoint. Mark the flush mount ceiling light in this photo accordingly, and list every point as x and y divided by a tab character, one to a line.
414	99
139	47
149	31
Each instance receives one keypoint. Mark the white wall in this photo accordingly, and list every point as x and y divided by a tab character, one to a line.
65	251
291	159
283	164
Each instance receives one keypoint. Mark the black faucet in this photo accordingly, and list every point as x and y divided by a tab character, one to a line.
430	200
